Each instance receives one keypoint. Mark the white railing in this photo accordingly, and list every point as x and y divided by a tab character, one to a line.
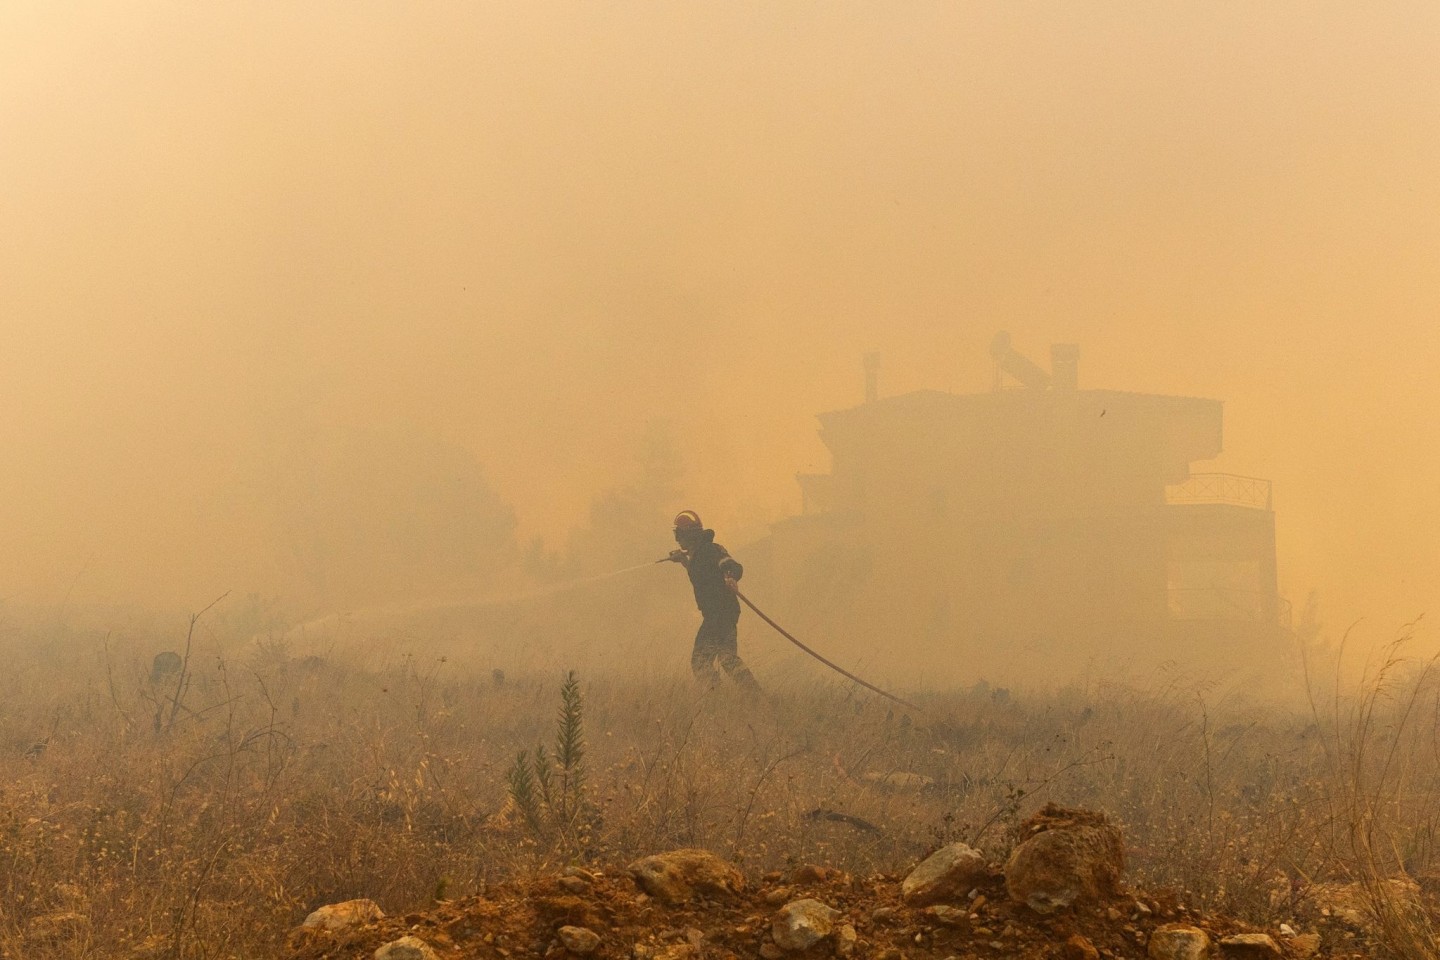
1221	488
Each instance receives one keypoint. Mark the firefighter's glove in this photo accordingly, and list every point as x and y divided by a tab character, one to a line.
678	556
734	587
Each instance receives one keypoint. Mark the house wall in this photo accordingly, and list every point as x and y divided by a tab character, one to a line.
1020	533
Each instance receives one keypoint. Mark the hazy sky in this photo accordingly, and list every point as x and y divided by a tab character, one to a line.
529	228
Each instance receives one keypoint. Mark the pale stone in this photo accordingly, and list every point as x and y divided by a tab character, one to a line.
948	916
947	874
1178	941
338	916
578	939
802	924
406	948
1254	945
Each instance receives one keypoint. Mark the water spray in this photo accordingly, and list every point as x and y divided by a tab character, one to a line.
496	601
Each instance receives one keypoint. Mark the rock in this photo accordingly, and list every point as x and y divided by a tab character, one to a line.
1078	948
777	896
802	924
573	885
947	874
406	948
675	951
1179	941
1068	855
677	876
809	873
1258	946
338	916
1303	946
884	915
768	951
948	916
845	940
54	927
578	939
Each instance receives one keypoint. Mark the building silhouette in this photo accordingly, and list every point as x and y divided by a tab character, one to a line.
1036	526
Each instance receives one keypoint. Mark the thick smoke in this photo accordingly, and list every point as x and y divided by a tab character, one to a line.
376	301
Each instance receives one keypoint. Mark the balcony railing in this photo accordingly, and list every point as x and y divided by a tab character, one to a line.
1221	488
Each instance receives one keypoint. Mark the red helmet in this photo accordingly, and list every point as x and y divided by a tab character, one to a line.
688	520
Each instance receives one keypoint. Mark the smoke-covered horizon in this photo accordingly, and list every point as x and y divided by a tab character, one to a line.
275	275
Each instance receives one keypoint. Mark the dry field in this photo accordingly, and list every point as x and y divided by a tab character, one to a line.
203	813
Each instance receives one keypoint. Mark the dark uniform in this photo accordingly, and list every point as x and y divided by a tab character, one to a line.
708	565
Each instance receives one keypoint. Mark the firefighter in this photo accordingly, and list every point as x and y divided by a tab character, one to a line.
714	574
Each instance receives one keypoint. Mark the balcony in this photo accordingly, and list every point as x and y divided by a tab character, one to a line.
1226	488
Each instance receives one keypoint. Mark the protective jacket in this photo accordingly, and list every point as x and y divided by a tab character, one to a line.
708	565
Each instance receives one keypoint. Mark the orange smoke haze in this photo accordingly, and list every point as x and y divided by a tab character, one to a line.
523	231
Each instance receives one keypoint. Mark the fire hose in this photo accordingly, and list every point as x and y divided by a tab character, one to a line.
814	653
832	665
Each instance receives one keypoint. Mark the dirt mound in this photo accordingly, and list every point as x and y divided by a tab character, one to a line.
1052	816
1065	856
871	920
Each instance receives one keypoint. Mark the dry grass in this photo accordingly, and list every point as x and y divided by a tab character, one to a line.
287	782
1382	747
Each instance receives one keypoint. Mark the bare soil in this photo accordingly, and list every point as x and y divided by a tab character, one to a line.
519	919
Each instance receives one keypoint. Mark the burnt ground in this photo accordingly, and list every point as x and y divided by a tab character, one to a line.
520	919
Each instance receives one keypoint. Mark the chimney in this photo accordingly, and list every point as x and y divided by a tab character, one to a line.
872	377
1016	364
